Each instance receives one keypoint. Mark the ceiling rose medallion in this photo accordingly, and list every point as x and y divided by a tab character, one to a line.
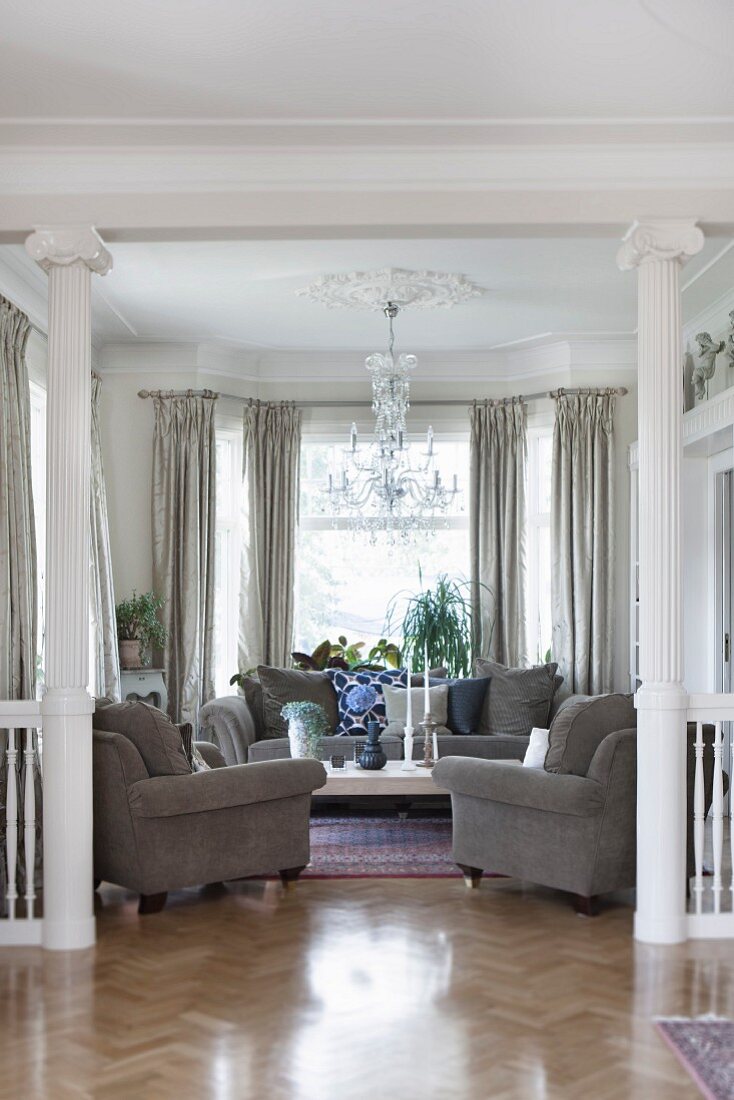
374	289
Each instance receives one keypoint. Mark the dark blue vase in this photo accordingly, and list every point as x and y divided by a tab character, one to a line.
372	757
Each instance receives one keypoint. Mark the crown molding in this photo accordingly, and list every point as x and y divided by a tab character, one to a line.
136	169
99	131
571	356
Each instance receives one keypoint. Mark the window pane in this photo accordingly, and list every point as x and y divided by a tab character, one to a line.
544	592
545	462
224	477
345	585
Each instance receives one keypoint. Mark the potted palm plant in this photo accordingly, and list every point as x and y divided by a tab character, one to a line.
139	628
437	623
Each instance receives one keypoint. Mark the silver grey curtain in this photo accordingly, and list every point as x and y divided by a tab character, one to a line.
497	529
184	532
101	591
582	517
18	583
271	461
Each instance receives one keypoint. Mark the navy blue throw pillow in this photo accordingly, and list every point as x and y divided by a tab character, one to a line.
466	702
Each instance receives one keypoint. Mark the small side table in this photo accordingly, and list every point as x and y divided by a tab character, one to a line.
145	684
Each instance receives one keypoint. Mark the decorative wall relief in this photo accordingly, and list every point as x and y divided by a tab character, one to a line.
730	341
704	370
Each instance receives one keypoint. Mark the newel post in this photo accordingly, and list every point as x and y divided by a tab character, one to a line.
658	249
69	254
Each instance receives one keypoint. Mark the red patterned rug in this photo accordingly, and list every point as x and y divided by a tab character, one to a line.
705	1047
381	847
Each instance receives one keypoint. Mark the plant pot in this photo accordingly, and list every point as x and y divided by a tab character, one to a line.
130	653
304	743
372	757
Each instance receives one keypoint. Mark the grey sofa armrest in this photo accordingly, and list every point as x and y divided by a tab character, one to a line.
222	788
228	722
212	754
532	788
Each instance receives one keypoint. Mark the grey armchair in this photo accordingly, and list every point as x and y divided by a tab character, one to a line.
158	833
572	832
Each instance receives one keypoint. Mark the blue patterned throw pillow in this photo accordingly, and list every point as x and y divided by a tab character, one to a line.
360	699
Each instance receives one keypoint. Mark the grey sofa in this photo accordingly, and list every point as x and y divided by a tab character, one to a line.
158	833
229	723
573	829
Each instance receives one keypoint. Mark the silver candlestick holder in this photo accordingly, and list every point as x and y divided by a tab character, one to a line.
428	725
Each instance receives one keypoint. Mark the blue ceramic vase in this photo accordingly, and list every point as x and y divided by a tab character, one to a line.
372	757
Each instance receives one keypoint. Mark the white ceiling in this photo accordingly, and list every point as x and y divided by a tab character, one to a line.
366	59
243	292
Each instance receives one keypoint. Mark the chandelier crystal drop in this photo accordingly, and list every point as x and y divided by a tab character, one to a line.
382	487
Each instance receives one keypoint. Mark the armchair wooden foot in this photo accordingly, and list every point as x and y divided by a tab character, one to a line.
586	907
290	874
472	875
151	903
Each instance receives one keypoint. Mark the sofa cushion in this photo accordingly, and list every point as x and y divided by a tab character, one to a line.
152	733
290	685
193	755
418	678
537	748
396	704
466	704
577	731
356	721
517	698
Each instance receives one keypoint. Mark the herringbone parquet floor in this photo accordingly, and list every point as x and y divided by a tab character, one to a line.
354	990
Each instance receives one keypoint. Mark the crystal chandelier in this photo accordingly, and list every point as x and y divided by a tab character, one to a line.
382	487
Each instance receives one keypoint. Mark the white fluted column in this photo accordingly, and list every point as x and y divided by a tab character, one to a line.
659	249
69	254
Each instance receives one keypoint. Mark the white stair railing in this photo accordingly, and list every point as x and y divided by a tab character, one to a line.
712	913
22	723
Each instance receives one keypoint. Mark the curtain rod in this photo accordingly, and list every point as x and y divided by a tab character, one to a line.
455	402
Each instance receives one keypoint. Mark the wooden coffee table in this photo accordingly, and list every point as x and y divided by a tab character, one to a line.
390	780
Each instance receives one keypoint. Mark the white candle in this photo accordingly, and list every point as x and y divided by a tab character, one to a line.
409	706
435	745
426	687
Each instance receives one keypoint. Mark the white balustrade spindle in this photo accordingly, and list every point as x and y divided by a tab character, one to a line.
29	822
699	806
22	719
11	824
718	813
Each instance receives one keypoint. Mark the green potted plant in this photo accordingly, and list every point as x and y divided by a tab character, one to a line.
438	623
139	629
348	656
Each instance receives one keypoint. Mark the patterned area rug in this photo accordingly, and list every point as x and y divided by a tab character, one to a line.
705	1047
381	847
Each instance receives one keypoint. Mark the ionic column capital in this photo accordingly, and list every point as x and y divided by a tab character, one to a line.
667	239
61	245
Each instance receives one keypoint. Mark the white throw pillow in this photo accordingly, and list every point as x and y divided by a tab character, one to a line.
396	704
537	748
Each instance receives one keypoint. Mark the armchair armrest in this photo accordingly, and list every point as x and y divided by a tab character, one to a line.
532	788
229	721
223	788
